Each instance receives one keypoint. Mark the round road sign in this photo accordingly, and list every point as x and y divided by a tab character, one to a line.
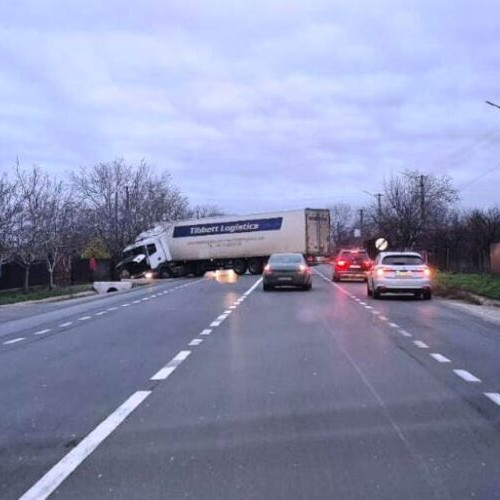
381	244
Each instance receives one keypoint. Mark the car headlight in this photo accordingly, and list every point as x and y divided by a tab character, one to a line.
148	275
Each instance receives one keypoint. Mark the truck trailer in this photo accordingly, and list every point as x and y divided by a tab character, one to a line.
243	243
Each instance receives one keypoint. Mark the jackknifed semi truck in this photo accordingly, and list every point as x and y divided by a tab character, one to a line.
242	243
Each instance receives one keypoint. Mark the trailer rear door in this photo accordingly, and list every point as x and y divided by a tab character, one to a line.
317	231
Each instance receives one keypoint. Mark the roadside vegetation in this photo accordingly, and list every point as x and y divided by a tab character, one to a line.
467	286
39	293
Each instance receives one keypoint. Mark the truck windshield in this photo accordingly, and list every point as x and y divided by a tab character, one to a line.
134	251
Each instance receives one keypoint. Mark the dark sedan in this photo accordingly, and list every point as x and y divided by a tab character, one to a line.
287	269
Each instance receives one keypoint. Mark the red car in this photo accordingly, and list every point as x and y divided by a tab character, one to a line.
352	264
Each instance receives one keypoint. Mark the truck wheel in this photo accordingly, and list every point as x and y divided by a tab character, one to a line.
255	266
164	273
240	266
198	271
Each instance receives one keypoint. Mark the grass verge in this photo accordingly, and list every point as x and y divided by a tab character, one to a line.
13	296
466	286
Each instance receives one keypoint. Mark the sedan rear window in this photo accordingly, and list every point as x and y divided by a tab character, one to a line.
286	259
403	260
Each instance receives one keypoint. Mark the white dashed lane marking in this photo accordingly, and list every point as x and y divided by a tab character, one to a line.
41	332
383	318
405	333
493	396
195	342
467	376
440	358
215	323
100	313
112	308
63	325
84	318
169	368
14	341
207	331
421	344
125	305
393	325
55	476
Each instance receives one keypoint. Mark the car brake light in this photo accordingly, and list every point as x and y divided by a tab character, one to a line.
427	271
380	271
341	263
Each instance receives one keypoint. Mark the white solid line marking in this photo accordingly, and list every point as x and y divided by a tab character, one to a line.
494	396
55	476
383	318
421	344
14	341
41	332
125	305
195	342
100	313
215	323
206	332
440	358
62	325
84	318
405	333
467	376
393	325
164	373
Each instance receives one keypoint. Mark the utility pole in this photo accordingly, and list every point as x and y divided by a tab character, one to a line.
379	203
422	198
361	212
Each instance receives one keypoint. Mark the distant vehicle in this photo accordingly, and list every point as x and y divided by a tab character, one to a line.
287	269
229	242
399	272
352	264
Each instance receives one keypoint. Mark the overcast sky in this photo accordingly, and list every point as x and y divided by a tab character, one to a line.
261	104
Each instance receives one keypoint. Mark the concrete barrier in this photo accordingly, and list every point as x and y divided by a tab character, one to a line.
111	286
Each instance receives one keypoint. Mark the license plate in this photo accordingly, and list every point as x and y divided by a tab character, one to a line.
402	273
285	278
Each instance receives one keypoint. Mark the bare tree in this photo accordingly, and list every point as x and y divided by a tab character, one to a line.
29	219
204	211
414	204
119	201
8	209
341	221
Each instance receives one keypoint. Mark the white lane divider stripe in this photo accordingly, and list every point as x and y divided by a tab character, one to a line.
112	308
100	313
63	325
195	342
207	331
228	311
393	325
136	301
84	318
421	344
55	476
440	358
467	376
233	307
221	317
144	299
215	323
41	332
14	341
168	369
125	305
404	333
383	318
493	396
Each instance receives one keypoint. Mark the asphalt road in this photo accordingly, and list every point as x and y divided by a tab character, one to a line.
204	390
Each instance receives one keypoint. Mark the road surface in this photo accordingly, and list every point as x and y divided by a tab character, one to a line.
203	390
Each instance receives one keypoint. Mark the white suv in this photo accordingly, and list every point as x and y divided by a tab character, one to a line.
399	272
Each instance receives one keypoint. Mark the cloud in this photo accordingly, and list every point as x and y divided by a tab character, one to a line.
255	105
